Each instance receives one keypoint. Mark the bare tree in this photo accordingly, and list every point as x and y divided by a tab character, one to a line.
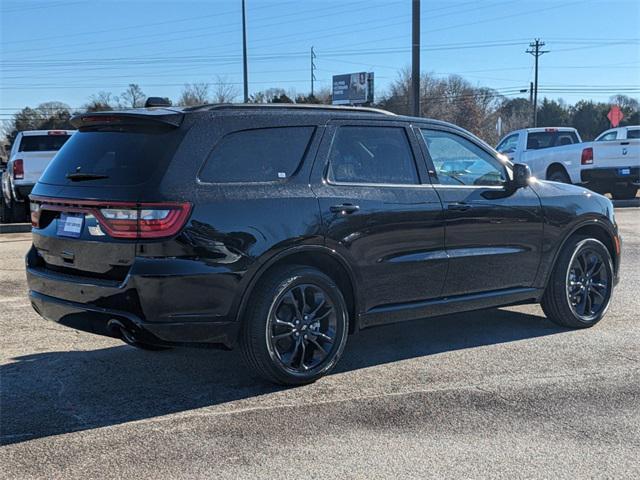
133	96
194	94
225	91
102	101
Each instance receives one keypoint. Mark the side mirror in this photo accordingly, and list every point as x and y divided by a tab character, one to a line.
521	175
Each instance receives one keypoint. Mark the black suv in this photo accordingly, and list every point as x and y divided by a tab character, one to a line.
282	229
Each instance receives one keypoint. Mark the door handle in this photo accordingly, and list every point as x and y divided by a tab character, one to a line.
344	209
458	207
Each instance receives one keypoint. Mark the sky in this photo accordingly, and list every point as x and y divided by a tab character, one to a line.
67	50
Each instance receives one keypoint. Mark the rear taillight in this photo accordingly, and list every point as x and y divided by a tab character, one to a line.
120	219
18	169
144	220
587	156
35	214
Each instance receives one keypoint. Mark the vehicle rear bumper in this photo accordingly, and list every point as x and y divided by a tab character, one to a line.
102	307
610	175
104	321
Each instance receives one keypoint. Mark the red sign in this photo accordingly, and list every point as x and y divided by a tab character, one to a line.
615	116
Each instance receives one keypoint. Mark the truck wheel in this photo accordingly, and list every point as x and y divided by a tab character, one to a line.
13	211
558	176
4	212
624	193
581	284
295	327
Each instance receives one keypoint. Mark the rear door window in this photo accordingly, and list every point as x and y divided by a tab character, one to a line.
633	133
257	156
42	143
372	155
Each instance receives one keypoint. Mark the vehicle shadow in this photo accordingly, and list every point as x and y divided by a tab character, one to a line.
52	393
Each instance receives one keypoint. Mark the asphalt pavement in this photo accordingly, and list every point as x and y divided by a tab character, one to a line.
500	393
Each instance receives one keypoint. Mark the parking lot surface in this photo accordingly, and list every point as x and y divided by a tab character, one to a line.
499	393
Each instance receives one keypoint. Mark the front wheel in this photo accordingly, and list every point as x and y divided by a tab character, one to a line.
581	285
295	327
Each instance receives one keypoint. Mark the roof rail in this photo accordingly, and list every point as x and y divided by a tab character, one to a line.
221	106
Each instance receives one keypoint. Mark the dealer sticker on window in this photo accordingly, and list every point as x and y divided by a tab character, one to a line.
70	224
625	171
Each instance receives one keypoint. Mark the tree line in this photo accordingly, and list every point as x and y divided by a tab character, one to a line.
452	99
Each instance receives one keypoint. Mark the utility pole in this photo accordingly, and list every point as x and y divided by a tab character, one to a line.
536	52
313	68
415	58
244	54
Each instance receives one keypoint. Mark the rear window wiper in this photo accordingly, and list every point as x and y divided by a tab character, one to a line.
79	176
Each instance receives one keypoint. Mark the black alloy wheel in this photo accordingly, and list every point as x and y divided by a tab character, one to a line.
588	284
580	288
295	327
302	328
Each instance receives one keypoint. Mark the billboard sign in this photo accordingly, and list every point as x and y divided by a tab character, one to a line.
353	88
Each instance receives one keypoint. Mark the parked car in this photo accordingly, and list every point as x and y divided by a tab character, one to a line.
611	164
550	152
30	154
282	229
614	163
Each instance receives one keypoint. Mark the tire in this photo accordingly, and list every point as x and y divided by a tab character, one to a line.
295	327
13	212
559	176
627	192
5	213
569	291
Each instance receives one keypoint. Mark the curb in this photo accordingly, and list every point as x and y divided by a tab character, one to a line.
15	228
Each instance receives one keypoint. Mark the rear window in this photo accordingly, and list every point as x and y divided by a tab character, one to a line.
125	157
538	140
260	155
42	143
633	133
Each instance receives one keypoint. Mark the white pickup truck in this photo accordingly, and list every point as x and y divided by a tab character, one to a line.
610	164
30	154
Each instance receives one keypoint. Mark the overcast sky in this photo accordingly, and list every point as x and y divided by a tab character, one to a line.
67	50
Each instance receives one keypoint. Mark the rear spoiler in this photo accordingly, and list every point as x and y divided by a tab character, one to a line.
134	117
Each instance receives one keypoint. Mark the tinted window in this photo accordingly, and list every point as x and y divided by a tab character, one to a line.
459	161
261	155
372	155
125	157
538	140
42	143
509	144
635	133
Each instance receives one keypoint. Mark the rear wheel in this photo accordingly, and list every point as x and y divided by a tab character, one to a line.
13	211
581	285
626	192
558	175
295	327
